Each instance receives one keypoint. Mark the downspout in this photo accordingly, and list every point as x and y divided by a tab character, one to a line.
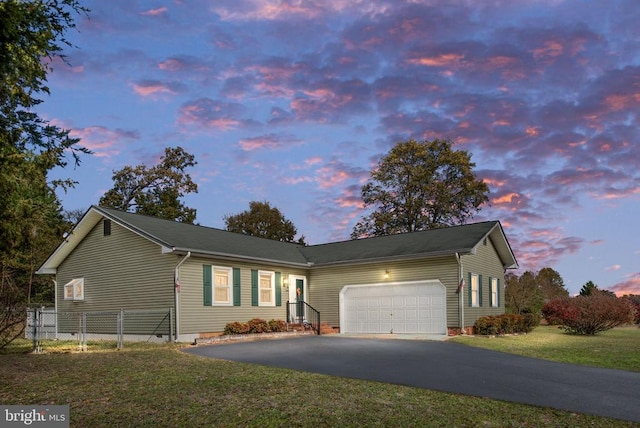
55	304
176	293
461	292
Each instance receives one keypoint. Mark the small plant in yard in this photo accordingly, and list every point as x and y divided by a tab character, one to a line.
589	315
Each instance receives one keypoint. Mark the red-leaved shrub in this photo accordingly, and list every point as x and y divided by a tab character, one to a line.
589	315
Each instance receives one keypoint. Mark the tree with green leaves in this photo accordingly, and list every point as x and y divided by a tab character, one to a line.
264	221
156	190
522	294
588	289
32	35
418	186
551	284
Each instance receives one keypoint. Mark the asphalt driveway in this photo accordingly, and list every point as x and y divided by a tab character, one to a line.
450	367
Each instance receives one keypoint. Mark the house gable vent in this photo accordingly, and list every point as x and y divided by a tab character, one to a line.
106	227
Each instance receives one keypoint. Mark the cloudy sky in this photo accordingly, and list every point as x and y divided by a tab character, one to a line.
294	102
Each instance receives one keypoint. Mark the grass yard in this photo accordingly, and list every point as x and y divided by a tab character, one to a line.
159	386
615	349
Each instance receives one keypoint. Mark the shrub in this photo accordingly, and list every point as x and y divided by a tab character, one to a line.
556	310
530	322
277	326
503	324
258	325
487	326
635	302
236	328
591	314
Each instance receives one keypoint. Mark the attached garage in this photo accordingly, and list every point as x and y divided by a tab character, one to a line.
407	307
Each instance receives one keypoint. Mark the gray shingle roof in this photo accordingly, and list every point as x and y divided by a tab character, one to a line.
456	239
207	241
450	240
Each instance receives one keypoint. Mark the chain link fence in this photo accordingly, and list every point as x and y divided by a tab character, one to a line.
56	330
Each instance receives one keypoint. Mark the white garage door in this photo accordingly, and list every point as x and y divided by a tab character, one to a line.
409	307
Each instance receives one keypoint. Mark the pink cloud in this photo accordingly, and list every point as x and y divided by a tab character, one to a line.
631	285
154	12
148	88
102	141
613	268
208	113
270	141
441	60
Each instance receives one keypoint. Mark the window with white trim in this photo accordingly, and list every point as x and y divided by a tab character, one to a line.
222	294
74	289
475	290
494	292
266	288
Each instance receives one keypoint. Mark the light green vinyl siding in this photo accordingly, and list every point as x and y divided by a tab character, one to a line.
121	271
197	318
325	283
486	264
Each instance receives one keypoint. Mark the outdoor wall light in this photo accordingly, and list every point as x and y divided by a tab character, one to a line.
285	282
386	274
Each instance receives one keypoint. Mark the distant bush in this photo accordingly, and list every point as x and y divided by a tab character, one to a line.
494	325
635	302
589	315
237	328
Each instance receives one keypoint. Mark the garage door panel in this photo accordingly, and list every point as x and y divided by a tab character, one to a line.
399	308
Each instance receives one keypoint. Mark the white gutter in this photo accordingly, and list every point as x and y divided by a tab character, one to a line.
176	293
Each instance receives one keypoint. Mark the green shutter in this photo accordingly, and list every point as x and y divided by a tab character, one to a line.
470	290
206	284
480	290
498	292
254	287
236	286
278	289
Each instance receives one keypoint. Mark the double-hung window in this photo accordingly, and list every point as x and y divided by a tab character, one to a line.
266	288
494	284
474	292
222	281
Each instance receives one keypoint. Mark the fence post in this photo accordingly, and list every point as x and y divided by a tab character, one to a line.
120	329
171	336
83	336
34	320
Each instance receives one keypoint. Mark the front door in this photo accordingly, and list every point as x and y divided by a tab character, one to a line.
300	298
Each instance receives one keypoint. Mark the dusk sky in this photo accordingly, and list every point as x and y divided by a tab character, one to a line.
294	102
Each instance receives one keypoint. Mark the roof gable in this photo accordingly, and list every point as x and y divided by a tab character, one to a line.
180	238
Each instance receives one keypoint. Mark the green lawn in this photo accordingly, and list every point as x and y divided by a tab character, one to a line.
159	386
615	349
